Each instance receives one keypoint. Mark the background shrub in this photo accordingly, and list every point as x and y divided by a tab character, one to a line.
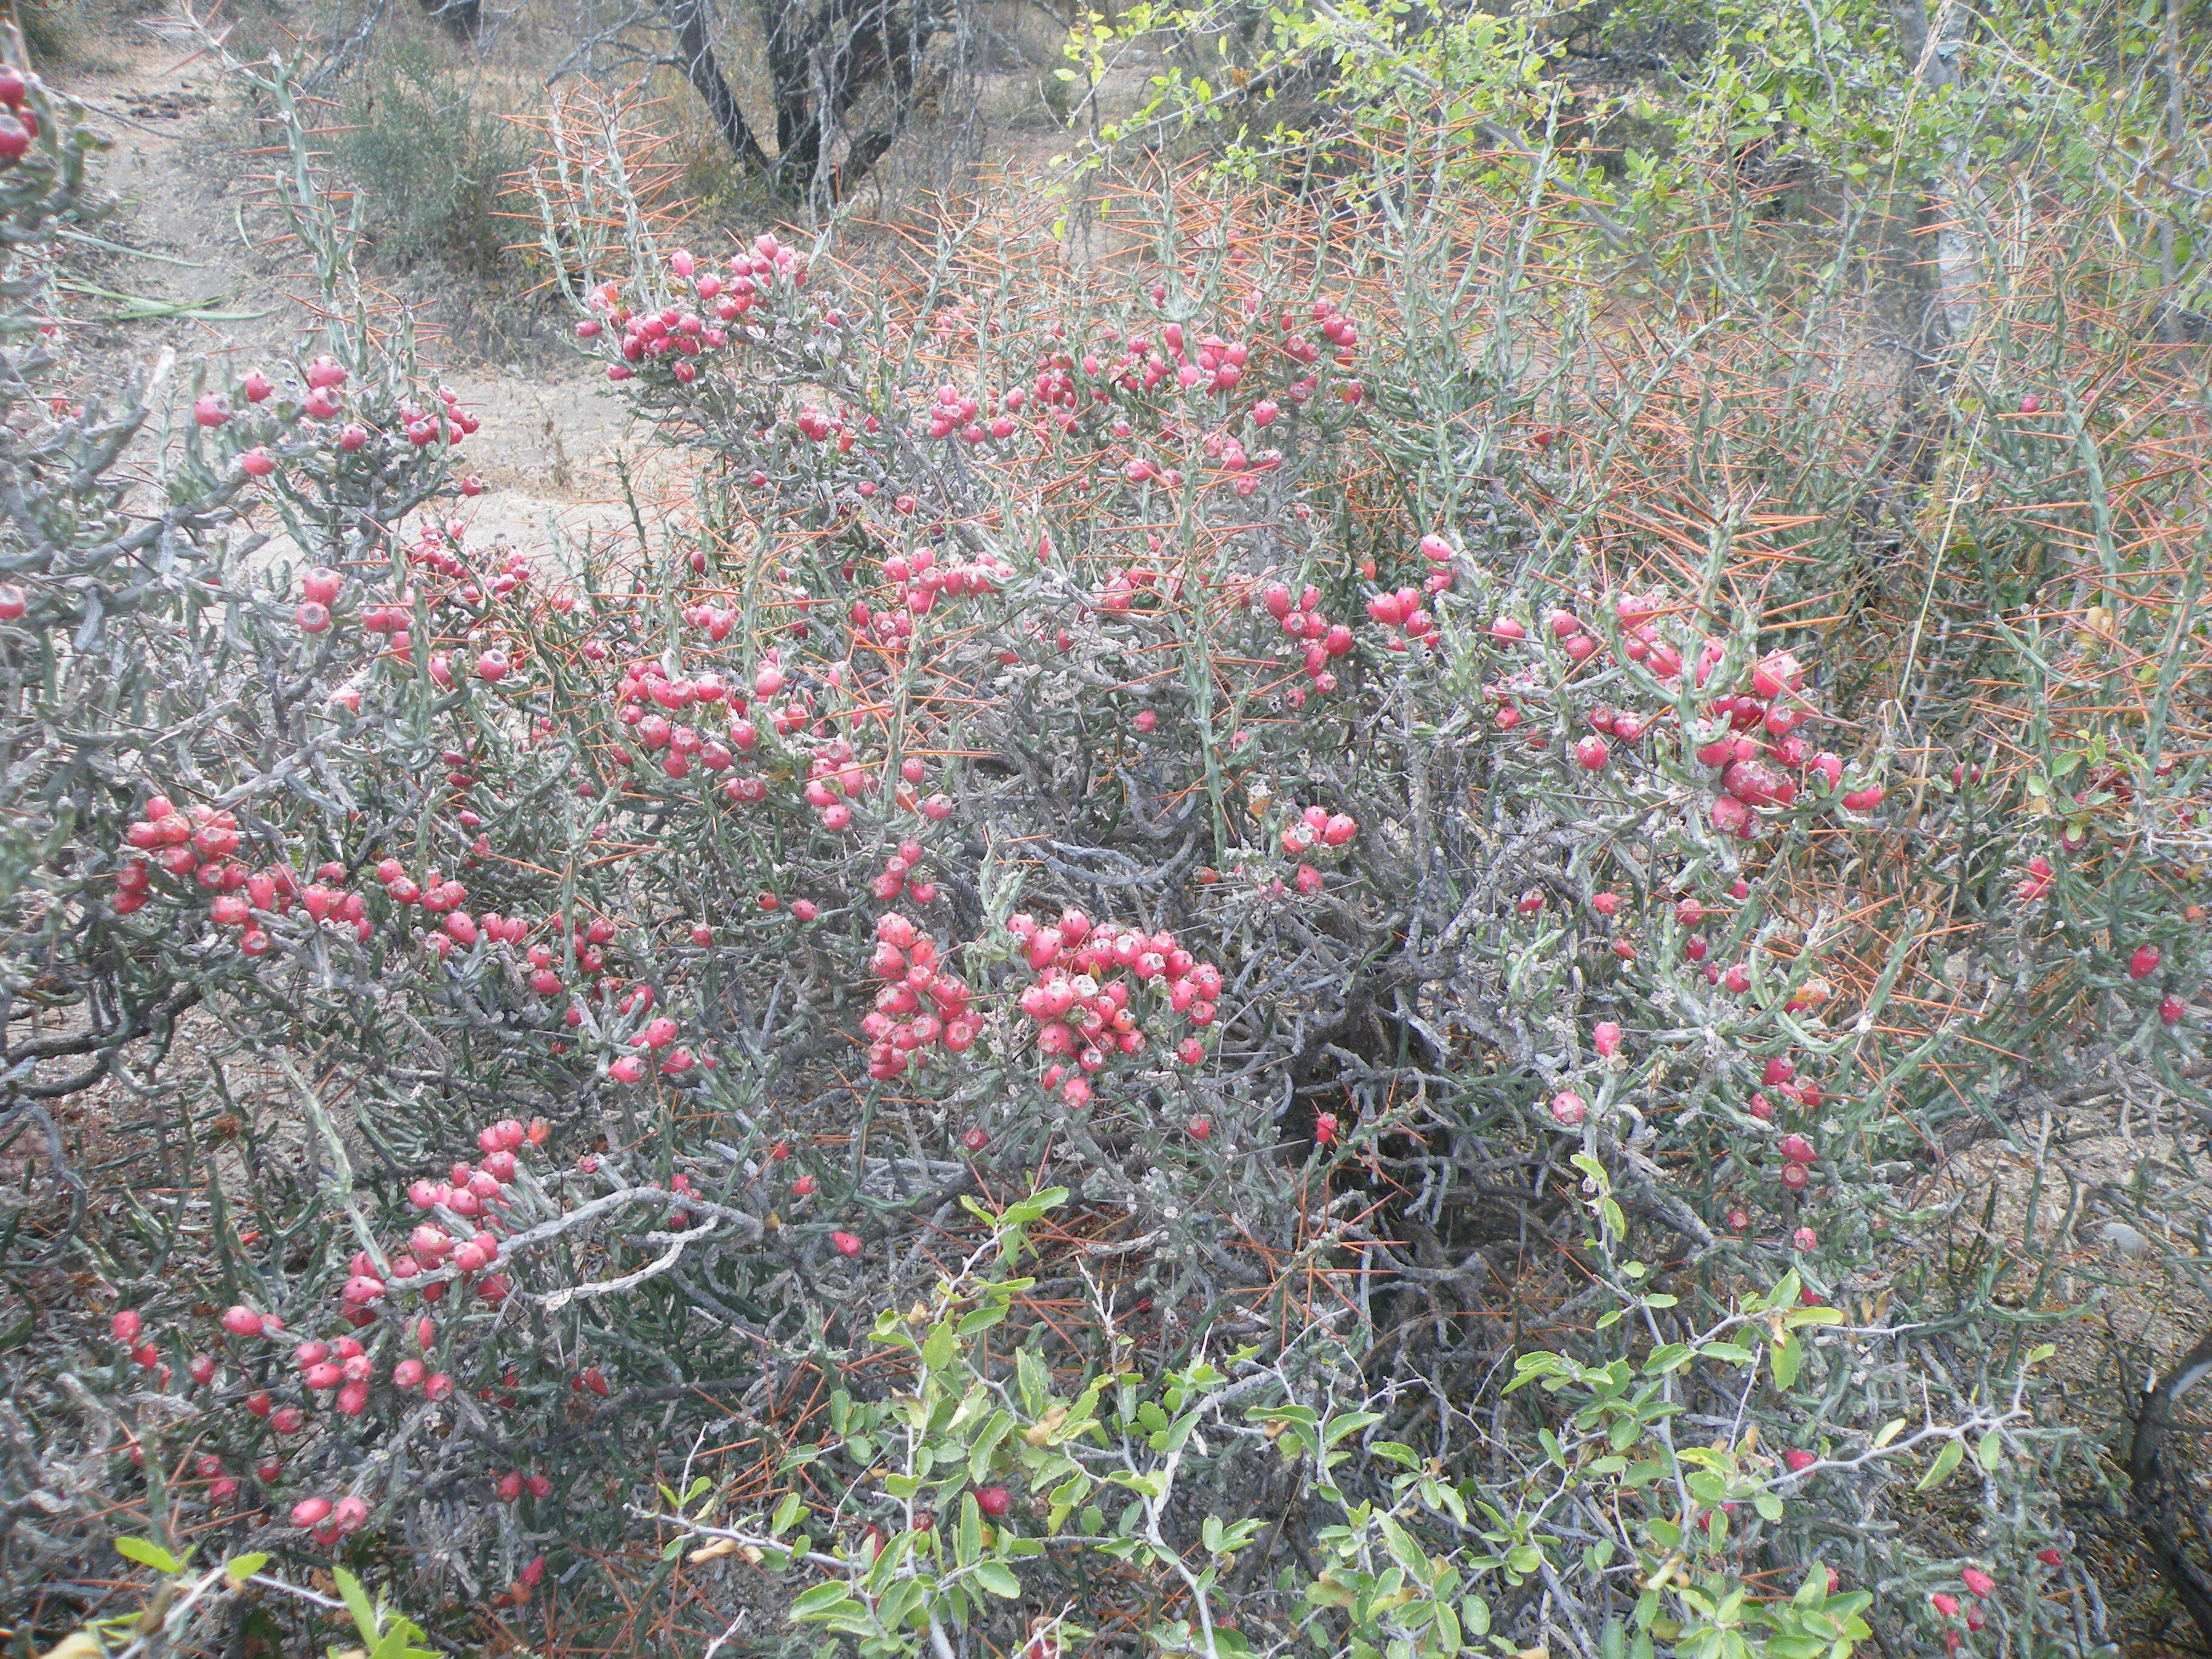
436	164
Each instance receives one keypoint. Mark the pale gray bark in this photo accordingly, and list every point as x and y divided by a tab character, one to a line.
1934	53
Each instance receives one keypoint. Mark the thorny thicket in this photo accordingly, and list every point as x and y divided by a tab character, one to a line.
1427	858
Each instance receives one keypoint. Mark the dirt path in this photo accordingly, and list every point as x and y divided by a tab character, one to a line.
194	239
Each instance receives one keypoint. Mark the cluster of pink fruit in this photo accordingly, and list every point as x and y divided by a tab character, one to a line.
442	898
461	585
447	422
1980	1587
679	746
669	332
1339	330
1317	827
835	778
952	411
19	122
917	579
441	548
1798	1152
200	845
1691	914
1243	470
717	621
1303	618
1403	610
329	1522
655	1043
901	1028
648	695
319	593
590	942
128	1328
1080	1000
1209	365
2144	960
816	427
342	1368
1124	588
677	333
1136	365
222	1487
465	1238
899	878
1752	737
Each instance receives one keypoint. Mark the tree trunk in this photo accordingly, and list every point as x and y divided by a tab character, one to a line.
1934	58
695	49
825	61
2157	1502
463	18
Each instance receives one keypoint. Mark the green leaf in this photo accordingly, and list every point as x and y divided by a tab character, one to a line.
981	1319
1033	1207
1787	1357
1447	1632
900	1600
1347	1422
357	1603
399	1643
1991	1452
818	1603
969	1541
147	1554
240	1568
1814	1317
1949	1458
995	1428
936	1350
1404	1550
997	1579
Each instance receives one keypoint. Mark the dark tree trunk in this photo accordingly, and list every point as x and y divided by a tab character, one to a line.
463	18
2158	1502
825	61
695	50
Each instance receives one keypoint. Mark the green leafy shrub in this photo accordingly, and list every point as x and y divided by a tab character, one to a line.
438	168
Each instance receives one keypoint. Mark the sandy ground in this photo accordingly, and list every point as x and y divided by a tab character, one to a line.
551	432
